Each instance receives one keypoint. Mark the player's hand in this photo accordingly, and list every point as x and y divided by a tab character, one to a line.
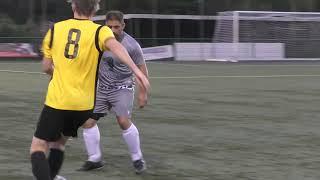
142	99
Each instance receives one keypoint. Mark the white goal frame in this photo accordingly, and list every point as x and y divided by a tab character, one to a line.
234	18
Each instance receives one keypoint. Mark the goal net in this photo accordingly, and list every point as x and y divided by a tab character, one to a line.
262	35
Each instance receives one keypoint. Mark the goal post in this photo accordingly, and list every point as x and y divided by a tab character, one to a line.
248	35
264	35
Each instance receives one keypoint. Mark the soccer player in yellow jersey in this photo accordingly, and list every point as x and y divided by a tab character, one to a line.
71	50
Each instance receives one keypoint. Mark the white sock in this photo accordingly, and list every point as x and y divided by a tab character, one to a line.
131	137
91	137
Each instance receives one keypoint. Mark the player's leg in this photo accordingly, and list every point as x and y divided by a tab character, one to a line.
123	108
48	129
91	135
130	134
73	120
56	155
39	162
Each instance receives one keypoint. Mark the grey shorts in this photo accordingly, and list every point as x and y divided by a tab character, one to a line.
119	101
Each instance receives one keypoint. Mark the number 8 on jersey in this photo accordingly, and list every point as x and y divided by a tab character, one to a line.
73	54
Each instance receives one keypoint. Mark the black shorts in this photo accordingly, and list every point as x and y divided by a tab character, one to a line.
97	116
54	122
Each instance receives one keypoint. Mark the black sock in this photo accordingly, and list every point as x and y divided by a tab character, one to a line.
55	160
40	166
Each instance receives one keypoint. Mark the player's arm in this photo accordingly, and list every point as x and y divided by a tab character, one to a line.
47	63
142	93
137	55
116	48
47	66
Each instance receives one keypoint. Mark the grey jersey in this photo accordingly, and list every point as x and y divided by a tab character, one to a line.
112	72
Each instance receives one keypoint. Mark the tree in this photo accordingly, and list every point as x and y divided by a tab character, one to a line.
305	5
31	12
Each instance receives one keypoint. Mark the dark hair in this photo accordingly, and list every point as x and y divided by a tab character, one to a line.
114	15
86	7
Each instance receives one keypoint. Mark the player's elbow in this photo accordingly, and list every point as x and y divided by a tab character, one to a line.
47	71
47	67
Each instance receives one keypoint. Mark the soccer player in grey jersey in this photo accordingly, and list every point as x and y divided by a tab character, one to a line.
115	92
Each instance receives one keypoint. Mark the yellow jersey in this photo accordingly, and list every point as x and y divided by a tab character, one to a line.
75	47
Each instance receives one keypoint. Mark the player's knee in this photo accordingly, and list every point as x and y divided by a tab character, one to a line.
124	122
89	123
38	145
56	145
59	144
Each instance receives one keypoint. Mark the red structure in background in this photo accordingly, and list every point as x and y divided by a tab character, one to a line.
20	50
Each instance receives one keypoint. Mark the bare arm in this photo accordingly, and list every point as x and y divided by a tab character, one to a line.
117	49
144	69
142	94
47	66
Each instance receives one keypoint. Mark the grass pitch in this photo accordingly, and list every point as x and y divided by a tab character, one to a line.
215	121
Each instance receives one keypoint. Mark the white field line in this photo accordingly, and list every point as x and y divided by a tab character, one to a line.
21	63
200	65
23	72
148	62
185	65
197	77
253	76
238	65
